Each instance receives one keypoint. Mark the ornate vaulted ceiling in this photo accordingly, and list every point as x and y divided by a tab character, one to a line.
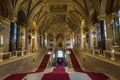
57	15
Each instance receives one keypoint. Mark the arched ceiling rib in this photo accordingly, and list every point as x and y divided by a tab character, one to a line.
20	18
72	14
87	12
2	10
36	8
41	19
103	7
112	5
79	9
40	16
80	6
96	5
50	12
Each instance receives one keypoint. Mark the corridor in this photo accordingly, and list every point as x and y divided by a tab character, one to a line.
59	39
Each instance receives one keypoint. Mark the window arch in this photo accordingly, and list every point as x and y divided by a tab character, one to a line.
13	36
119	17
118	26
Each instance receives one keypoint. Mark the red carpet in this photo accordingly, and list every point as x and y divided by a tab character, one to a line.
92	75
16	76
57	74
22	75
97	76
43	64
75	63
59	69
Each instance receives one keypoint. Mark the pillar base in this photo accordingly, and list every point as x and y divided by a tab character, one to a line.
101	56
1	60
93	52
113	59
13	57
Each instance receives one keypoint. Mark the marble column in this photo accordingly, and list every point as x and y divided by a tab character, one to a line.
73	40
102	33
42	42
1	54
26	39
68	58
12	45
46	44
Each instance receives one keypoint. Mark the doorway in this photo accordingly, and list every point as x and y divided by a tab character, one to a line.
59	58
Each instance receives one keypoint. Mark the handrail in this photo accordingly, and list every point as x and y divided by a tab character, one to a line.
106	53
11	55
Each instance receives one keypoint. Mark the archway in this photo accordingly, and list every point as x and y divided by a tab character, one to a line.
59	57
60	40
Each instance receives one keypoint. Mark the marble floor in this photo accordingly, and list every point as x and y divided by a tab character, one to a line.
72	74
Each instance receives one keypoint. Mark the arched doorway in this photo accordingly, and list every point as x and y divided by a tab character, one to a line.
59	57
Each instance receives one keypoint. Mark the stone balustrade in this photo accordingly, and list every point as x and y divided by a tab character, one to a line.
112	55
117	55
15	54
106	54
10	55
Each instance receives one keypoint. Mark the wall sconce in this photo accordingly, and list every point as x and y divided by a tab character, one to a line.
93	34
73	40
113	51
22	35
33	36
83	36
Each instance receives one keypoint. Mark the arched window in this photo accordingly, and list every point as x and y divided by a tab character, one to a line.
15	33
118	21
60	54
13	36
119	17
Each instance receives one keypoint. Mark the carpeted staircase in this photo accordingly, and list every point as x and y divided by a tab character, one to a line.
41	68
57	74
76	66
43	64
75	63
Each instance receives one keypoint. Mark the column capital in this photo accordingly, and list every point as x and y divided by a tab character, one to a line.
4	19
101	17
114	15
13	19
46	34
